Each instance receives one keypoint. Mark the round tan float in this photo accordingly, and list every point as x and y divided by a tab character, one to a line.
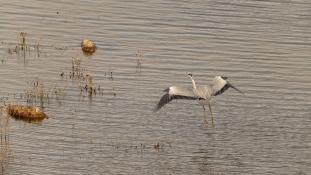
88	47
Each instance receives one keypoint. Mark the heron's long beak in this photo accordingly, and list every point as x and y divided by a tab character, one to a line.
225	78
235	88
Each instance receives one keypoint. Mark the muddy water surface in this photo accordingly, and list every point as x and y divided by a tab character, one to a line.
264	47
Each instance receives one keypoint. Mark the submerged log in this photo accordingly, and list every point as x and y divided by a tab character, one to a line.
28	113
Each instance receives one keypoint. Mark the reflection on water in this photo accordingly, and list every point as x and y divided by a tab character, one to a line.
100	106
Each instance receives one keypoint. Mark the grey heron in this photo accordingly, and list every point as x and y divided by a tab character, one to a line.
203	94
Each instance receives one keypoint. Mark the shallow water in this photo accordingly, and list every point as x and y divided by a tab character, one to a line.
264	48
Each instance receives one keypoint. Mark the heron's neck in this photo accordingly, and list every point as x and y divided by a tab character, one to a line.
193	83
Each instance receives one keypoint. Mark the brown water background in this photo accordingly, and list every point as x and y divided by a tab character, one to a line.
264	47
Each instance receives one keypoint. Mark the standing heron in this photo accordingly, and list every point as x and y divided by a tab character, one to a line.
203	94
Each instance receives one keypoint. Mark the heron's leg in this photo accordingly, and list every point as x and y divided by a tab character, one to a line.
205	118
210	109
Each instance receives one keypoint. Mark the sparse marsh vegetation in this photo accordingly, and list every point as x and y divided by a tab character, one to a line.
22	48
143	147
77	72
5	150
86	80
37	93
139	55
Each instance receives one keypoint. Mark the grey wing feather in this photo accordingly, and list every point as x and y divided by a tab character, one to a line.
163	101
181	92
220	85
175	92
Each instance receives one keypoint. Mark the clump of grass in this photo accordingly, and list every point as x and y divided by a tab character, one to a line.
23	44
62	74
5	151
3	60
77	72
85	79
89	85
140	55
92	89
22	47
14	50
158	146
109	75
141	147
59	93
37	48
37	93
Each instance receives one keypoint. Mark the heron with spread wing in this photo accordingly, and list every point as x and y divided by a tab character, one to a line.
203	94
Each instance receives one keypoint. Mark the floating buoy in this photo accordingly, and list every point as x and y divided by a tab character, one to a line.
88	47
28	113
